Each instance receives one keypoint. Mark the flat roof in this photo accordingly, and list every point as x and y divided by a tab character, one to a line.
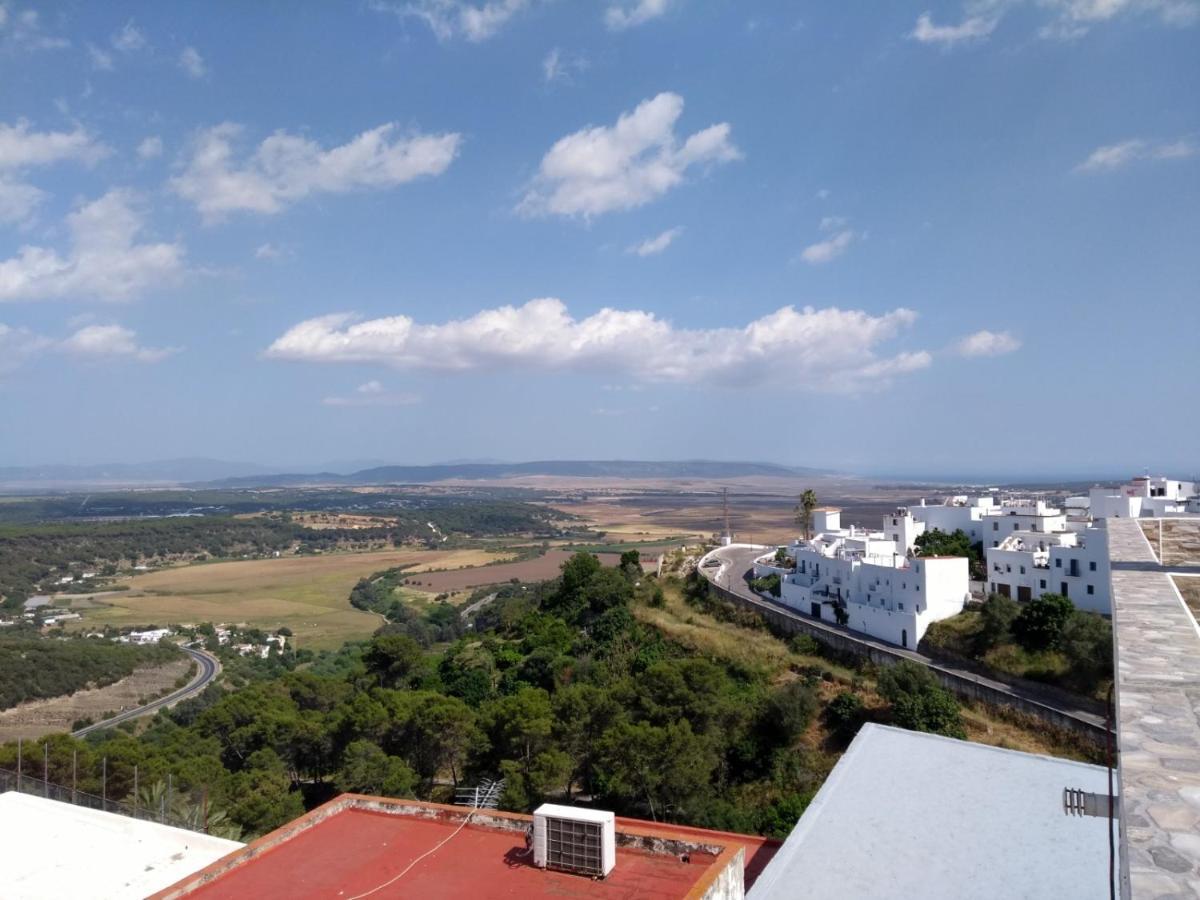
907	814
53	850
355	845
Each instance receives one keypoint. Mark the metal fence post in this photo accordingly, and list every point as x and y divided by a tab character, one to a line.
46	767
135	791
104	784
19	751
74	769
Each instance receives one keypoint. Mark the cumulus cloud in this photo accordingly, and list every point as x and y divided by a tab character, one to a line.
112	342
373	393
631	13
987	343
287	167
457	18
105	261
839	241
1067	19
22	148
1111	157
806	349
657	244
102	60
192	63
605	168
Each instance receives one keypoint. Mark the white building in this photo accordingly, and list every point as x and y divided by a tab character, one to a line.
152	636
885	593
53	849
1074	563
999	815
1146	495
1011	516
958	513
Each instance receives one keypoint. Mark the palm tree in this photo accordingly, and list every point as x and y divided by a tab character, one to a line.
804	511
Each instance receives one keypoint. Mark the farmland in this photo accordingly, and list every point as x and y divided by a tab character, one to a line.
307	594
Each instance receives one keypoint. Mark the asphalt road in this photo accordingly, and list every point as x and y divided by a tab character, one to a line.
731	575
208	669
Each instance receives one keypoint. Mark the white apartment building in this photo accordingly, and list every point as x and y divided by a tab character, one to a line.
1011	516
886	593
1153	496
1071	562
958	513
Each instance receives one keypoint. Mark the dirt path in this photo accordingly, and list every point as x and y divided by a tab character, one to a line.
39	717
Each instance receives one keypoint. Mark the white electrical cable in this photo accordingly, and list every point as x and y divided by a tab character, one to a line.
428	852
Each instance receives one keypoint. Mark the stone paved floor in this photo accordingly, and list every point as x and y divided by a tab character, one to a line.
1158	723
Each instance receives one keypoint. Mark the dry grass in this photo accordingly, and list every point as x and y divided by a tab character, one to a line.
39	717
309	594
1180	540
1189	588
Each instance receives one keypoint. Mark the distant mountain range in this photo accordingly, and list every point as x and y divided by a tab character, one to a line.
213	473
698	468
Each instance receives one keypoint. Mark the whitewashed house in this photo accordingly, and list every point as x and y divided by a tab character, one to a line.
884	592
1153	496
958	513
1073	563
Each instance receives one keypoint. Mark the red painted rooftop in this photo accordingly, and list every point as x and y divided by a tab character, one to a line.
355	846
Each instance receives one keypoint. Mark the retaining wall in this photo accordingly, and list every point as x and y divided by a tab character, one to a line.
960	683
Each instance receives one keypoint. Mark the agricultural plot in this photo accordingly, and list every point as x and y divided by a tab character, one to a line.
308	594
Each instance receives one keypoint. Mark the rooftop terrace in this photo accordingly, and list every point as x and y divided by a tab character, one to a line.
358	846
1158	718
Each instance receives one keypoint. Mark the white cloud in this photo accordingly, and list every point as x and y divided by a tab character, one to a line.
631	13
604	168
1111	157
270	251
105	261
807	349
192	63
150	148
1068	19
559	66
17	201
657	244
129	38
833	246
112	342
373	393
987	343
22	148
17	345
101	60
287	167
457	18
970	29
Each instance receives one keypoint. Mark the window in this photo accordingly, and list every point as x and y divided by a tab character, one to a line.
1058	564
894	522
995	543
993	586
1043	584
901	607
1007	567
995	526
918	587
1092	566
1091	590
1022	570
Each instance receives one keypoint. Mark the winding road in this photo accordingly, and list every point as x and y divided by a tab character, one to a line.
208	668
737	561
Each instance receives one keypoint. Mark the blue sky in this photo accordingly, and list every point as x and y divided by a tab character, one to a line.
931	238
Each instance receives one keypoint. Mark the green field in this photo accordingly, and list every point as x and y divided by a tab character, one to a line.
308	594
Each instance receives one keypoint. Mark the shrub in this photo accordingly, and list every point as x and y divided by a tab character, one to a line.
996	618
918	702
845	714
804	644
769	584
1040	623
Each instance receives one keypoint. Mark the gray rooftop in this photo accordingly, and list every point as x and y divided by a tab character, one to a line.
906	814
1158	721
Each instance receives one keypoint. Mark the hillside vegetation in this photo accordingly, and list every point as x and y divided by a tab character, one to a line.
35	668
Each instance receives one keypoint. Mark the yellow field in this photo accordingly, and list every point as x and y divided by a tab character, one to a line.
308	594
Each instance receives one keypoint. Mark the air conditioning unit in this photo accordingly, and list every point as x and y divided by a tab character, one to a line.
569	839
